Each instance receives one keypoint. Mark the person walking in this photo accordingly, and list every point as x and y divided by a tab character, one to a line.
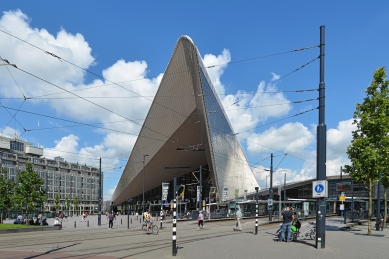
201	220
110	223
287	216
238	218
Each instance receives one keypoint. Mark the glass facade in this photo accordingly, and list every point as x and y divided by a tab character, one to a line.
230	164
17	146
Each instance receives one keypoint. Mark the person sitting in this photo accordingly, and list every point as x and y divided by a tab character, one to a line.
44	222
20	219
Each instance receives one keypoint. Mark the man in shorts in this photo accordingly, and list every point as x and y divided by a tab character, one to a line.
147	219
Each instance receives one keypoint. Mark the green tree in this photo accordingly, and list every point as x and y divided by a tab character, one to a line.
57	204
75	203
28	191
7	189
369	149
67	204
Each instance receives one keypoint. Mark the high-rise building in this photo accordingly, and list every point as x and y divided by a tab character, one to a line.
186	129
60	177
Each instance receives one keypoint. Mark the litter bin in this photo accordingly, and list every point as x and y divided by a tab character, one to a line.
195	214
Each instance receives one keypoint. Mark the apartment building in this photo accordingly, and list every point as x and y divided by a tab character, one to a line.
59	176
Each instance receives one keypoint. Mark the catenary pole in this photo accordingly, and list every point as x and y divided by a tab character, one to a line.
321	156
99	205
271	187
201	186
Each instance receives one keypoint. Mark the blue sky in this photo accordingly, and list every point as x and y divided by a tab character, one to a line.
123	41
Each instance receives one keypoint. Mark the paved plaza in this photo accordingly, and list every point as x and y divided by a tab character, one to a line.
217	240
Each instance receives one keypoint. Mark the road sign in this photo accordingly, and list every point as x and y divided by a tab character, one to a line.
342	198
270	202
319	189
343	186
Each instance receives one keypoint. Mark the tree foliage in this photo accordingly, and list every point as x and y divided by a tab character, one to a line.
369	149
75	203
7	187
67	204
28	191
57	204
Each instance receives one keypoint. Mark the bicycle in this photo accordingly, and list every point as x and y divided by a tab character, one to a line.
311	232
153	229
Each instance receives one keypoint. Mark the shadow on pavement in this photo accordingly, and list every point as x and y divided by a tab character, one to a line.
58	248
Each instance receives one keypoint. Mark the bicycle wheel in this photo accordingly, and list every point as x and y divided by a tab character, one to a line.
155	230
312	235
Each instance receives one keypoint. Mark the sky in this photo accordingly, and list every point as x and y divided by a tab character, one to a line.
257	74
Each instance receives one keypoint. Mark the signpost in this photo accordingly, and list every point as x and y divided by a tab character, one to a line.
225	194
320	189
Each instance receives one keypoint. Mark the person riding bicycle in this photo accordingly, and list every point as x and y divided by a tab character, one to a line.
147	219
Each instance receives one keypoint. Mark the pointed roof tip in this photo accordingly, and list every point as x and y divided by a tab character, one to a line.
187	38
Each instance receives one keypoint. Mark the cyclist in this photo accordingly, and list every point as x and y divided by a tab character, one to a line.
147	219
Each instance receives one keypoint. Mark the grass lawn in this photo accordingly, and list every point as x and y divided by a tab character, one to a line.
12	226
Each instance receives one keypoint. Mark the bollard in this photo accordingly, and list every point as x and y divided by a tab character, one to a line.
87	223
140	220
75	224
318	243
131	221
128	220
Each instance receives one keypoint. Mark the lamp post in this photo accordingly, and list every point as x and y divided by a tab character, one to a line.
143	184
271	186
99	199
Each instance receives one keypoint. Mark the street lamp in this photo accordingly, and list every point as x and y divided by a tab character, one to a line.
266	180
270	201
143	200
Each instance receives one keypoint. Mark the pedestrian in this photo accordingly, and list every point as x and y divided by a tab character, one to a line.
82	216
287	216
238	218
110	223
201	220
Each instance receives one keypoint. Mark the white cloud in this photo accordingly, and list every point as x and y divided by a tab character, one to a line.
243	108
109	194
291	138
9	132
216	72
338	139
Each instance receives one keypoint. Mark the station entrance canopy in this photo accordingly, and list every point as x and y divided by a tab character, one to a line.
186	127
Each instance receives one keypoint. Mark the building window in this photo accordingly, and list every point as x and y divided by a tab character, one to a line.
18	146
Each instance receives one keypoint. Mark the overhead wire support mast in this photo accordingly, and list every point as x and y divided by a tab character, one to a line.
321	155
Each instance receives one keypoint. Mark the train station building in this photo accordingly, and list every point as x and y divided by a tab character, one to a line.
186	135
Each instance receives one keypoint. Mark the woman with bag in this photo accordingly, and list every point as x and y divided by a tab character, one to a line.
200	219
